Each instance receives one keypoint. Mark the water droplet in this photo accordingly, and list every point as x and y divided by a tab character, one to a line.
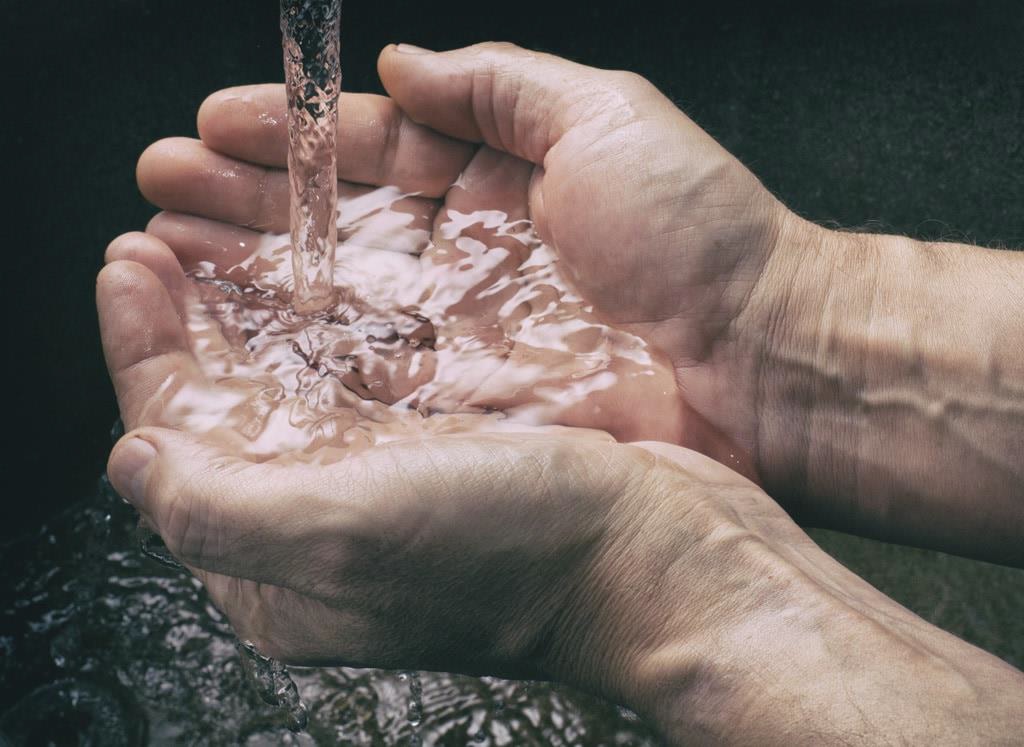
273	684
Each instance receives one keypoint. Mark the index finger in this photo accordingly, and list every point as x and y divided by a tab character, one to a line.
377	143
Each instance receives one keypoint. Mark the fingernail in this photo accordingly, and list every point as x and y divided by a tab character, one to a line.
411	49
127	472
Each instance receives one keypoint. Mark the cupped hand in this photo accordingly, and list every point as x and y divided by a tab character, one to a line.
522	555
646	573
664	233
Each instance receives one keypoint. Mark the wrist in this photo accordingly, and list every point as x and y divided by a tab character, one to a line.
710	613
882	365
663	620
803	651
813	356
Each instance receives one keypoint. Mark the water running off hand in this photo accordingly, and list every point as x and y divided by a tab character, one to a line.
312	69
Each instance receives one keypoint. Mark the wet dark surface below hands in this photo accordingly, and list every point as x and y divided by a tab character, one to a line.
103	646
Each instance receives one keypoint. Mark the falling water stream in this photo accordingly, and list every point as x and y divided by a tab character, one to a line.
310	40
312	74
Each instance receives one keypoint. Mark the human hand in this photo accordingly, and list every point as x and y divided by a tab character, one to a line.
222	194
667	234
485	553
660	229
645	573
859	378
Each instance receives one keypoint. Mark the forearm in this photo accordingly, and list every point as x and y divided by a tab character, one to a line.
808	653
892	398
809	667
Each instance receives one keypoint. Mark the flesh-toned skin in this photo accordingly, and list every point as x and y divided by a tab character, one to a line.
845	368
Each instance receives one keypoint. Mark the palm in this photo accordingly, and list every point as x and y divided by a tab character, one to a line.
220	203
654	249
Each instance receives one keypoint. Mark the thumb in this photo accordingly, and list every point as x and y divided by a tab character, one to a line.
221	513
515	100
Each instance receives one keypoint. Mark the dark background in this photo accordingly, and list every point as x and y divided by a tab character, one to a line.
908	116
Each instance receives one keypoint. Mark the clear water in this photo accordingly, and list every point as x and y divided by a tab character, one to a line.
463	322
312	67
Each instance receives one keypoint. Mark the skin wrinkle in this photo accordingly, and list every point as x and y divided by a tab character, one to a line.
864	442
481	100
508	85
576	640
392	143
823	366
782	310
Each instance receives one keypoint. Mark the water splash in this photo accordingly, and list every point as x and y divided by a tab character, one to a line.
274	684
464	322
414	709
269	678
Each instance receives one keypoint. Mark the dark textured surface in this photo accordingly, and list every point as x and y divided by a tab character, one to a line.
979	602
908	114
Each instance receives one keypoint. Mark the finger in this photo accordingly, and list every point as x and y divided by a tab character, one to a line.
398	226
150	251
183	175
144	341
515	100
194	240
293	526
377	144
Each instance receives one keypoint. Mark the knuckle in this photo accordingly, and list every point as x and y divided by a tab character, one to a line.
629	82
184	521
495	48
